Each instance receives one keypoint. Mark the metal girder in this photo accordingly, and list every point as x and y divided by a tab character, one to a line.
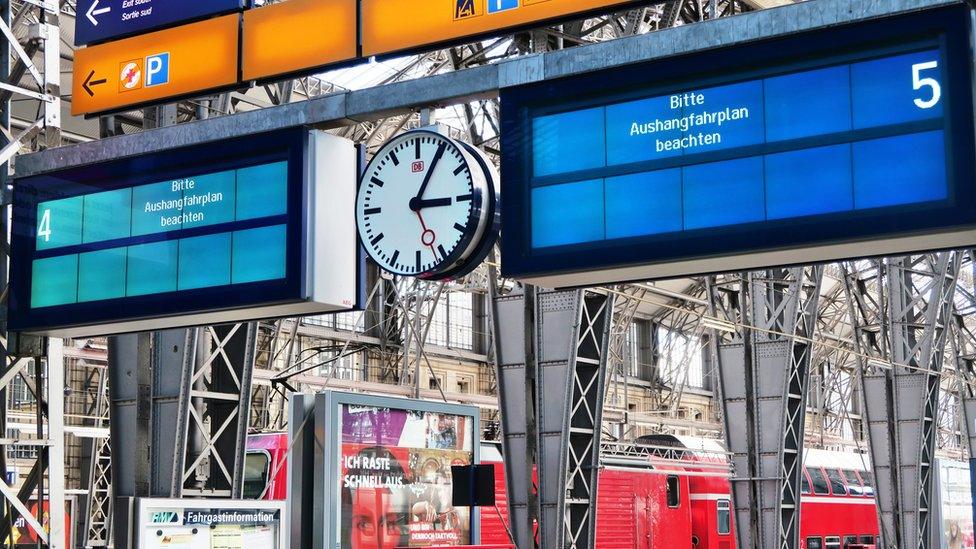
900	310
763	358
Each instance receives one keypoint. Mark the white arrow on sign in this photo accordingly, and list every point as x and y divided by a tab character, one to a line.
92	12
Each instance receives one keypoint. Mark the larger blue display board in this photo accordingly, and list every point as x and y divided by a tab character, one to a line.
103	20
219	227
857	134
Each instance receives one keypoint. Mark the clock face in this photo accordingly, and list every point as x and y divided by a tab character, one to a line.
419	205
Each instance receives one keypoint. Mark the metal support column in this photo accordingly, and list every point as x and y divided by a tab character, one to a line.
552	349
760	342
900	309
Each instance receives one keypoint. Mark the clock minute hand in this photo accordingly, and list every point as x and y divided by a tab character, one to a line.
415	203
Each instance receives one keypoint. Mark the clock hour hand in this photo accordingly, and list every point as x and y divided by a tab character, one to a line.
415	202
433	203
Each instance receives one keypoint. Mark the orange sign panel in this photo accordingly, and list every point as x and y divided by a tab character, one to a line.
298	35
390	26
152	67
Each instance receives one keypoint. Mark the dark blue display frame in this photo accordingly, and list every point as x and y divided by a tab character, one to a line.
948	29
290	145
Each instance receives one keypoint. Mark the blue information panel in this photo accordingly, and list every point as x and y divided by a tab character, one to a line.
828	142
216	227
103	20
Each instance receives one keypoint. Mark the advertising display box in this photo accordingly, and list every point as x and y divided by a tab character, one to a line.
254	227
382	472
850	141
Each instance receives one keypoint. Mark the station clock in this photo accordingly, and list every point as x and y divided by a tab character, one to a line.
428	206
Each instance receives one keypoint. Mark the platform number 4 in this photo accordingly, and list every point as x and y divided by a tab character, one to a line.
921	83
44	227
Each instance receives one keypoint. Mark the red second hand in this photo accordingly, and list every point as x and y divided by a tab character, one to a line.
423	234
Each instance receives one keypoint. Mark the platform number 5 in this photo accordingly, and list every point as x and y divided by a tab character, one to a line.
926	82
44	227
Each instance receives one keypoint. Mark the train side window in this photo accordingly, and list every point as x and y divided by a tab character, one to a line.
853	483
724	507
832	542
849	541
868	478
836	482
257	467
804	483
819	481
814	543
867	540
674	491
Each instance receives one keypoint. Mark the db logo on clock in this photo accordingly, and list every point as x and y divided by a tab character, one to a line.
417	166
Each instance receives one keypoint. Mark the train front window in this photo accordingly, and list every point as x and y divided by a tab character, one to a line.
820	486
674	492
868	478
850	541
814	543
724	507
867	540
832	542
836	482
257	465
804	483
853	483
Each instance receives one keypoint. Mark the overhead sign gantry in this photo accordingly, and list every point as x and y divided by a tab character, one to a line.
817	145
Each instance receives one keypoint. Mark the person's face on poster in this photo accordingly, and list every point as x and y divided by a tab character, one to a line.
375	525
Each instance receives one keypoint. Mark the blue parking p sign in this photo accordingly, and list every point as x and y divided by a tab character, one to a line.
495	6
157	69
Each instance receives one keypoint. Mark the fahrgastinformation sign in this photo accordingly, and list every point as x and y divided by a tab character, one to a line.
248	228
815	146
245	45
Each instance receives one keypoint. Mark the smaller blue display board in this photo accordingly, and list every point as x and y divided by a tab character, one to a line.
216	227
820	140
103	20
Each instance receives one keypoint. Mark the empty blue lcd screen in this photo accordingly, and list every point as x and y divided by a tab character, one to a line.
885	90
107	216
101	275
571	213
569	142
906	169
643	204
635	128
733	113
723	193
210	201
259	254
151	268
262	191
204	261
808	103
154	204
54	281
809	182
59	223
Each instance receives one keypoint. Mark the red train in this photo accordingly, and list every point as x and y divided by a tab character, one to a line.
666	492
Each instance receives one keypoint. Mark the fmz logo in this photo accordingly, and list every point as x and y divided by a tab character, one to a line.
464	9
165	517
417	166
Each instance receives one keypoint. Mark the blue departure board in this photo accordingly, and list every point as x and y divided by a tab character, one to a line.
820	140
215	227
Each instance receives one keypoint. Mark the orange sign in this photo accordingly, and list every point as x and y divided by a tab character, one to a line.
390	26
152	67
298	35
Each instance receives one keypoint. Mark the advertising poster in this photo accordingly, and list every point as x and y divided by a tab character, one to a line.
395	478
23	534
956	505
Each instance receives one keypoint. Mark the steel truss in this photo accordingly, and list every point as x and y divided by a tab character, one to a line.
761	345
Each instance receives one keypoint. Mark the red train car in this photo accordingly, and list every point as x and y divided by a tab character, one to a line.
665	492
